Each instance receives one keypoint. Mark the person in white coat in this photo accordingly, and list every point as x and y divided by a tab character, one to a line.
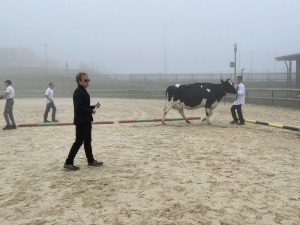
49	104
239	101
8	110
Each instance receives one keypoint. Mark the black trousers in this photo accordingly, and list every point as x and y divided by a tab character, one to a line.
238	108
48	107
83	135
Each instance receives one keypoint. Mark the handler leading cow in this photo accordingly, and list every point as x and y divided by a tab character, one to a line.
194	96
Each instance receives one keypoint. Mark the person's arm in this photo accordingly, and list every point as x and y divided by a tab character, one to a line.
8	89
4	95
48	98
241	90
78	103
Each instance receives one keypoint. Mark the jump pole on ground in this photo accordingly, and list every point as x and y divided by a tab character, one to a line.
58	124
104	122
157	120
273	125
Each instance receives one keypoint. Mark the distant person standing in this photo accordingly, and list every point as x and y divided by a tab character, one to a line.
50	104
82	119
8	110
239	101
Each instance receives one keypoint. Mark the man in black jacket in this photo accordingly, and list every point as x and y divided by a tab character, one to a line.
82	119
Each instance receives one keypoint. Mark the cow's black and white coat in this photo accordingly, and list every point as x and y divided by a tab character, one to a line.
194	96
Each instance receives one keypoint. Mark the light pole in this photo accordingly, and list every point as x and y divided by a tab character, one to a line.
242	71
251	59
275	63
165	48
46	58
235	48
67	79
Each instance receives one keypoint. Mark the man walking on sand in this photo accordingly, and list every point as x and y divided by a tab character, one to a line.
82	119
8	110
49	104
239	101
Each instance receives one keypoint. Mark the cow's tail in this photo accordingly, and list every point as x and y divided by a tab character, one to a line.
166	100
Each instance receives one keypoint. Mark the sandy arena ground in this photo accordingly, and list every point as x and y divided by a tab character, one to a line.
152	174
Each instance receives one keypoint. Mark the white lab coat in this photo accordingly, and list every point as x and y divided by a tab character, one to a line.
240	100
49	92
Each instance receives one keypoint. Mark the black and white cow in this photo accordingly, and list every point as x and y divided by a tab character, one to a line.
194	96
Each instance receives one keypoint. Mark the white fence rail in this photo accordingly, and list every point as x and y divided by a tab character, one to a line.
199	77
279	94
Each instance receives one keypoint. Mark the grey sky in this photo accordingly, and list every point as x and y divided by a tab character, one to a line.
127	36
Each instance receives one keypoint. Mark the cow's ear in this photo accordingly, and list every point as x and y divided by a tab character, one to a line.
221	81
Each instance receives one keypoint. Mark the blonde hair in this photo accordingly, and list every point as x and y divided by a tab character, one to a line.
79	75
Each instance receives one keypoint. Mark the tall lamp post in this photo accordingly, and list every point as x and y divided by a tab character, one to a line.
165	48
251	59
67	79
242	71
235	48
46	58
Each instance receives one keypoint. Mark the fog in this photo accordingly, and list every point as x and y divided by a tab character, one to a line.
154	36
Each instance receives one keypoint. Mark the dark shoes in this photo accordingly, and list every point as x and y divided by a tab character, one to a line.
53	121
237	122
7	127
71	167
95	163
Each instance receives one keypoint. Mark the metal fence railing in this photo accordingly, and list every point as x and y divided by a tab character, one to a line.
148	77
267	94
207	77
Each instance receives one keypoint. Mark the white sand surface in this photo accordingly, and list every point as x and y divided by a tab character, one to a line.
153	174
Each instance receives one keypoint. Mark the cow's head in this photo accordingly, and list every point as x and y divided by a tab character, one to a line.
228	86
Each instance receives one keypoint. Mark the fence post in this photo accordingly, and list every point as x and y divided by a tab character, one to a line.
272	96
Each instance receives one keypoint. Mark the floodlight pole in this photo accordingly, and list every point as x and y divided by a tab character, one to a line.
46	58
165	32
235	48
251	61
242	71
67	79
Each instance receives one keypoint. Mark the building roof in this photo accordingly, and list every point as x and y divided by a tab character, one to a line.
288	57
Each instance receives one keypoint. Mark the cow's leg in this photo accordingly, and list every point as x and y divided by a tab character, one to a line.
183	116
166	110
209	111
204	119
208	114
